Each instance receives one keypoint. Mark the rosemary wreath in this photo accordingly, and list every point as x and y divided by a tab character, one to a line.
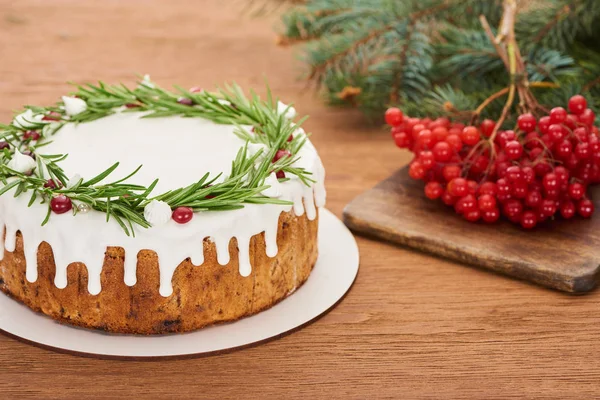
124	201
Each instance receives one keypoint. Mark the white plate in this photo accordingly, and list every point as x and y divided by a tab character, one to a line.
332	276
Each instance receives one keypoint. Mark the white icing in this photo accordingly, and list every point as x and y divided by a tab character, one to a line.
50	128
28	119
21	162
74	105
176	150
74	181
283	108
157	213
147	82
274	189
254	148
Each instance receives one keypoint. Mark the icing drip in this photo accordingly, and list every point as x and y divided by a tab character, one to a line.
84	237
130	266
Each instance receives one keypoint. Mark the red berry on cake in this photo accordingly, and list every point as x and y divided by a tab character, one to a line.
281	154
182	215
185	101
61	204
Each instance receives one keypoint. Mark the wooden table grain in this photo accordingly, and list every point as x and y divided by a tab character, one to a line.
413	326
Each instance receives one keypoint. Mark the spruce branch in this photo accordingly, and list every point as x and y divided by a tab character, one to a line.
402	53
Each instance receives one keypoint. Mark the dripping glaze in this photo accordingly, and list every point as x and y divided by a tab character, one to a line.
85	237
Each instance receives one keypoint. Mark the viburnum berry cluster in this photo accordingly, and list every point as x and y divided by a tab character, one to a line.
533	173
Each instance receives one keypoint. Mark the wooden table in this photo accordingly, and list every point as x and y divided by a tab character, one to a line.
412	326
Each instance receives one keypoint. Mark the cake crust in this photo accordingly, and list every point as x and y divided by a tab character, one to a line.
202	295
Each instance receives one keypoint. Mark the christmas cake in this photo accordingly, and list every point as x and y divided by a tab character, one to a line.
150	211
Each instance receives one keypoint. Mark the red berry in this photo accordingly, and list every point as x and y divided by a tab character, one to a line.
280	174
519	189
416	130
581	134
52	116
528	174
403	140
542	168
556	132
562	174
33	135
433	190
4	145
466	204
426	159
572	121
182	215
487	127
513	209
185	101
550	181
448	199
548	207
576	190
480	164
488	188
196	89
458	187
543	124
470	136
472	215
450	172
526	122
582	151
393	116
528	220
502	186
585	208
454	141
514	173
440	133
577	104
442	152
558	115
535	153
50	184
567	209
571	162
532	140
491	216
513	149
587	117
416	170
280	154
564	149
533	199
486	202
61	204
426	139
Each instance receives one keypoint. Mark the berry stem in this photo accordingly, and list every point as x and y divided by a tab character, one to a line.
487	102
511	91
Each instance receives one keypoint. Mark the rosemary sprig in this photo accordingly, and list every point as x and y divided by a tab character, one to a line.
124	201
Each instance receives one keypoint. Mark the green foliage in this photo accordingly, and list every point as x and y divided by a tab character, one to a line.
123	201
427	55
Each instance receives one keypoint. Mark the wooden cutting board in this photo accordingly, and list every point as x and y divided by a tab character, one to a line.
563	255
